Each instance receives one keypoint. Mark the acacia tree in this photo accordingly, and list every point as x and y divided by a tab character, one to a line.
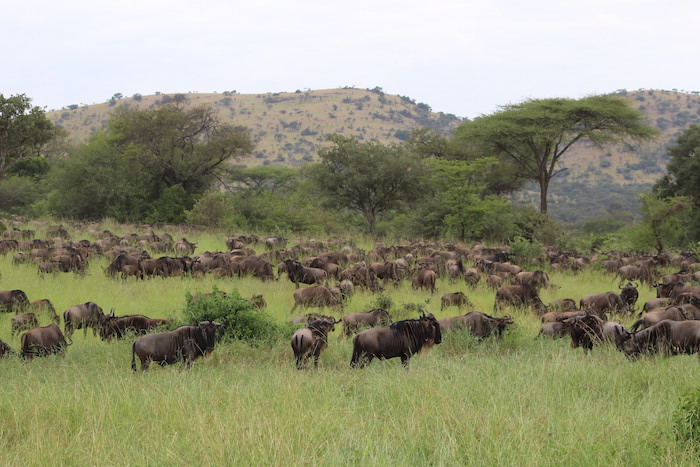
24	131
535	134
368	177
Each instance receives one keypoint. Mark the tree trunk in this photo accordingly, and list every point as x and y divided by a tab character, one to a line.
370	219
544	186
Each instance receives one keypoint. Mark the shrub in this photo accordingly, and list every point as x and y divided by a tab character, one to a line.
524	251
686	417
236	313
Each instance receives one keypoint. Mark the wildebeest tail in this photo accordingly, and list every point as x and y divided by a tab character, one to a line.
636	325
133	356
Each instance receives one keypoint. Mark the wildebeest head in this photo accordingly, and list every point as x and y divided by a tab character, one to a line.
208	330
428	320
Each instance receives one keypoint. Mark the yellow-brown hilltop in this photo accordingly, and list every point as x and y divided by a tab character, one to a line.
288	127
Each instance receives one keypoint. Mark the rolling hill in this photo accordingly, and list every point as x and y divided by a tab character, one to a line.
288	129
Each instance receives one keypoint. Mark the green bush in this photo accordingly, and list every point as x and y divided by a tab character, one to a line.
236	313
686	417
524	251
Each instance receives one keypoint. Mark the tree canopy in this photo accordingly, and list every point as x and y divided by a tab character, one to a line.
368	177
24	131
683	174
535	134
179	145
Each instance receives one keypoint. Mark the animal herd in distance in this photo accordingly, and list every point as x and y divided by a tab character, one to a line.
585	322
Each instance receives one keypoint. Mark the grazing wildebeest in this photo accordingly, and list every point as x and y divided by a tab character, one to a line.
45	305
352	322
186	343
480	325
42	341
83	316
315	296
675	313
518	296
23	322
117	326
13	300
402	339
457	299
562	304
310	341
668	336
554	329
300	273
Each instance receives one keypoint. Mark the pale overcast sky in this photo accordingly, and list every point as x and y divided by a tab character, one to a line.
460	57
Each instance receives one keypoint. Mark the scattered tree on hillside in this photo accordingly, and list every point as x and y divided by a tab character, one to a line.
535	134
24	131
368	177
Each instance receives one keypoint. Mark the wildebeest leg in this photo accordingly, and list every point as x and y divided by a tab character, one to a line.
404	360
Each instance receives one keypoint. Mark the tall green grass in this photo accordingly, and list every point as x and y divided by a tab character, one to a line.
519	401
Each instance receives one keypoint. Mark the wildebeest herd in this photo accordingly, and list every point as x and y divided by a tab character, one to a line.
331	271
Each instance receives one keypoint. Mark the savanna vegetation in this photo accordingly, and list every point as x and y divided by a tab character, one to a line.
516	400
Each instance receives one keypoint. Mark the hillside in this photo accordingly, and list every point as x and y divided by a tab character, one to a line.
288	129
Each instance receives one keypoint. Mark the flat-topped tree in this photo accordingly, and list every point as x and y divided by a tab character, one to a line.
536	133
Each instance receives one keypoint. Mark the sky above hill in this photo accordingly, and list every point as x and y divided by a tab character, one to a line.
465	57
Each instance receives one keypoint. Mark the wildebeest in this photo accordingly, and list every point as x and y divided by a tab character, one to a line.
554	329
310	341
117	326
315	296
13	300
185	248
672	337
45	305
562	304
5	350
425	279
472	277
300	273
589	329
538	279
673	289
479	324
518	296
186	343
352	322
629	295
23	322
386	271
608	301
402	339
675	313
274	243
42	341
83	316
457	299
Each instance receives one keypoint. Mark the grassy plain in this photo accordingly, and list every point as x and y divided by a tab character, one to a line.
518	401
